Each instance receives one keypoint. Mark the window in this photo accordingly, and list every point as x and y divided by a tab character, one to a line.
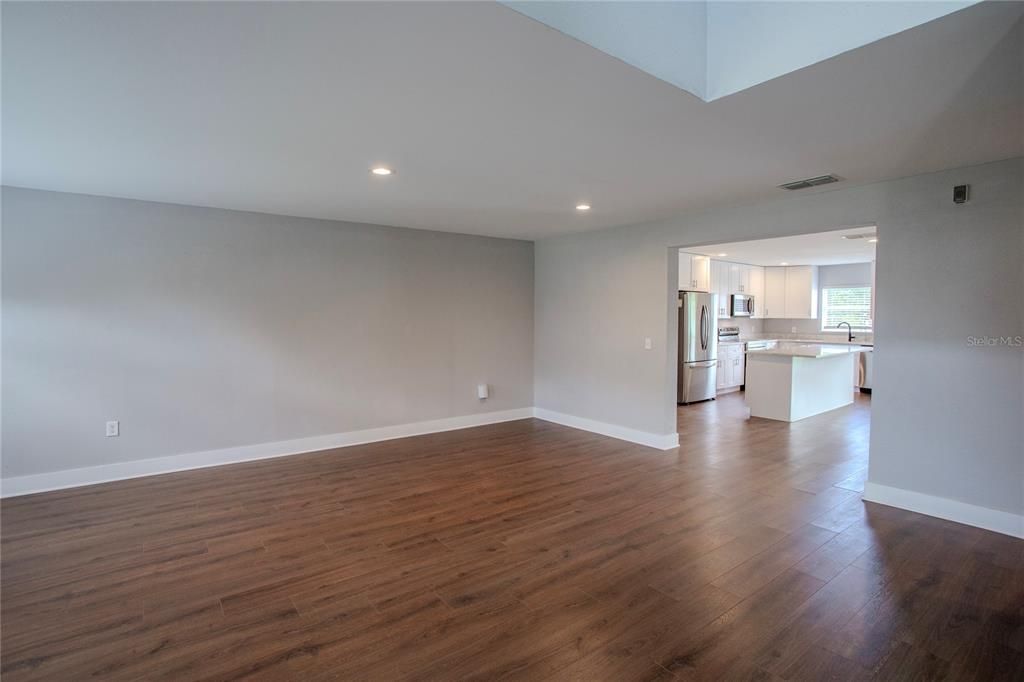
846	304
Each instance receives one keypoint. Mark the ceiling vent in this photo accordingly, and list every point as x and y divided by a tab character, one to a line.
810	182
862	235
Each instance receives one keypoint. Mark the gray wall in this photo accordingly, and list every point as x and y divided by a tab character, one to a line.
847	274
201	329
946	417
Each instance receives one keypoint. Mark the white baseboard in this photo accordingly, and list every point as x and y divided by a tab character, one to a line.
944	508
73	478
105	473
660	441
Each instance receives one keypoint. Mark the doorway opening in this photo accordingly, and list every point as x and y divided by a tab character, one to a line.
776	336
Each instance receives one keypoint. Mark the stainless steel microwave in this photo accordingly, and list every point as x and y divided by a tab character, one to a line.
742	305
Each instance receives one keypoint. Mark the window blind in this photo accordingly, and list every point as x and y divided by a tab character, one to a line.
846	304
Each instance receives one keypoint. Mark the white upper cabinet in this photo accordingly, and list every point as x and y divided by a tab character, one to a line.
701	269
774	292
685	272
756	289
694	272
735	278
720	286
728	278
740	276
791	292
802	292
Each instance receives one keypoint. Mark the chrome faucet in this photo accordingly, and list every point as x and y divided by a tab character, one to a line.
850	336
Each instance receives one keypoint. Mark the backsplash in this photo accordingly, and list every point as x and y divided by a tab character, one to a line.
783	329
748	327
808	329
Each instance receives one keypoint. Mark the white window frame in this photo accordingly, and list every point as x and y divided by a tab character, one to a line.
842	330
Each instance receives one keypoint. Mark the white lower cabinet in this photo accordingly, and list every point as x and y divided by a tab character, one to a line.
739	366
731	364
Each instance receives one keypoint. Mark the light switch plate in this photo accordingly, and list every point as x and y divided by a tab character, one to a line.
113	429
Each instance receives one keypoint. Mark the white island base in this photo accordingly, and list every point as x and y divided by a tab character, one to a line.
789	386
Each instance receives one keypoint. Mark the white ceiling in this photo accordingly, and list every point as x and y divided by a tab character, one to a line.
496	124
820	248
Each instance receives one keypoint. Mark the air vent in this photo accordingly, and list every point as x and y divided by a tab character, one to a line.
862	235
810	182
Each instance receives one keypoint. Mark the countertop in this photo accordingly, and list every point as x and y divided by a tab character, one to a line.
821	342
811	350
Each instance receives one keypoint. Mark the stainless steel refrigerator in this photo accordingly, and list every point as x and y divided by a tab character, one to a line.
698	346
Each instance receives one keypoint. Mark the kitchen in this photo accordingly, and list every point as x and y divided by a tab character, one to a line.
787	321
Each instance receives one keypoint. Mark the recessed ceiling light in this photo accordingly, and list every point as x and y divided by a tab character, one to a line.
582	207
381	170
722	255
783	263
873	239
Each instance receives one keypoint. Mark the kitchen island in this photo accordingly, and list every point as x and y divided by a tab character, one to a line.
793	381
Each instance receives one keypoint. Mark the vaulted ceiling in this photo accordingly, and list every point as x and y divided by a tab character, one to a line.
712	48
495	123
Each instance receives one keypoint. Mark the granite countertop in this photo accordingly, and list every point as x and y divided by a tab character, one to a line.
778	339
828	342
811	350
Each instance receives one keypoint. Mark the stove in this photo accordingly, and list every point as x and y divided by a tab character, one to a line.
728	333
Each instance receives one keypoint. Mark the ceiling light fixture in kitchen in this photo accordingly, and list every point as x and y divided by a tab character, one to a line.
582	207
382	170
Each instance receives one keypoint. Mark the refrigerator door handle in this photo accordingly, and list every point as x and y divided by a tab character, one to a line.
700	327
707	327
703	327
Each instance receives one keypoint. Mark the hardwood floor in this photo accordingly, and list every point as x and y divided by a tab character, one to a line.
521	550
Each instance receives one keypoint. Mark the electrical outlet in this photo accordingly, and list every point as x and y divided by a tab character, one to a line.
648	344
113	429
792	330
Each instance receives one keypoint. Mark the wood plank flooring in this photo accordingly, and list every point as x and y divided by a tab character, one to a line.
522	550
